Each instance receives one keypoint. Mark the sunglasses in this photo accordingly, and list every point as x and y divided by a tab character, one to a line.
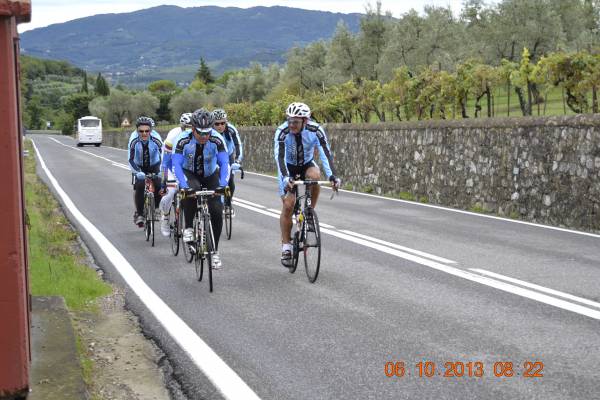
220	123
295	121
144	131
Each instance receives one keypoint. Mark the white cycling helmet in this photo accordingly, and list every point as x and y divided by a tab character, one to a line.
186	119
298	110
219	114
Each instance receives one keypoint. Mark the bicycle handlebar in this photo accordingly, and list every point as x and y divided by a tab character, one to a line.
310	182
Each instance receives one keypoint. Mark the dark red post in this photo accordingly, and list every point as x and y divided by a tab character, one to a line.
14	289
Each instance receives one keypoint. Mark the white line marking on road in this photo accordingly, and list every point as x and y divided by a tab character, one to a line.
248	202
397	246
227	382
112	162
506	287
537	287
278	212
324	225
414	203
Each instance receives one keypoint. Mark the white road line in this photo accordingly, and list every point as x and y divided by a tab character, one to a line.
539	288
396	246
112	162
414	203
506	287
278	212
248	202
226	381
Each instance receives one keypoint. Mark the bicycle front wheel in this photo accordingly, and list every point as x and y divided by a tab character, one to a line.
189	256
174	229
227	220
210	248
311	246
200	249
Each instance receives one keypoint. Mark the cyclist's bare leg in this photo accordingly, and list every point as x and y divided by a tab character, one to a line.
285	219
314	173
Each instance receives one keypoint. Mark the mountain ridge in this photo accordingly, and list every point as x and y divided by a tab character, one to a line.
144	42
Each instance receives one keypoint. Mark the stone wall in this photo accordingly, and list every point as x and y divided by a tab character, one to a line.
544	170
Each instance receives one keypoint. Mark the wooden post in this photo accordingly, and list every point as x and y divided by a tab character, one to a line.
14	288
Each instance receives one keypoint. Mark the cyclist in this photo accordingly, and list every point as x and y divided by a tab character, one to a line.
144	158
234	145
169	183
295	142
201	160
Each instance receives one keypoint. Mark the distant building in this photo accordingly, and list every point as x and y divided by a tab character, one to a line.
125	123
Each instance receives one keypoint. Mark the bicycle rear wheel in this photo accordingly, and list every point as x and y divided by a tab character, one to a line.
189	256
152	217
311	246
146	216
174	229
227	221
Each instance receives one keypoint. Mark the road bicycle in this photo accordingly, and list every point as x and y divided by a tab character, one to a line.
150	216
203	246
307	233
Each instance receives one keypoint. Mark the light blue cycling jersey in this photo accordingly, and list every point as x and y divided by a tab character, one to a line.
234	143
200	159
144	154
298	149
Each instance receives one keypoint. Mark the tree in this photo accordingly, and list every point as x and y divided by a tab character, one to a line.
372	41
164	90
84	86
101	87
395	92
342	57
521	79
77	105
143	103
188	101
34	112
163	86
204	73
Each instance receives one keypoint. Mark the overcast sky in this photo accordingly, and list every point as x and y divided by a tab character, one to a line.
47	12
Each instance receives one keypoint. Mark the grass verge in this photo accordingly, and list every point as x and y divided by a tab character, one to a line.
56	261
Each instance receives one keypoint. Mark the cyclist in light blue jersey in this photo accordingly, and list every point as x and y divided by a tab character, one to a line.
201	160
234	145
144	157
295	143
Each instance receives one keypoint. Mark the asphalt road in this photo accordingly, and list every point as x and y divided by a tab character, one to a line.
399	282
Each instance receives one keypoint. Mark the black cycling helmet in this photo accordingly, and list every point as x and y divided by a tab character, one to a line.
202	120
144	121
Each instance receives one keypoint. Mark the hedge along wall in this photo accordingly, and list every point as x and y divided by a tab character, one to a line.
544	170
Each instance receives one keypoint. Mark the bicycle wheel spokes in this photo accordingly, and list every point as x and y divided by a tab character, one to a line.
311	245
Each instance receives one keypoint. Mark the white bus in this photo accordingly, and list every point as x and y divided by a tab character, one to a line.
89	131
